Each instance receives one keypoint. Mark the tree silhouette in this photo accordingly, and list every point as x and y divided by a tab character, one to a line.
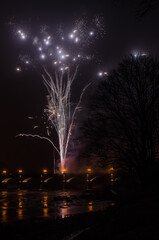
122	127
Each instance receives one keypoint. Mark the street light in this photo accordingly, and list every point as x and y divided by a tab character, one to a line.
89	171
20	171
44	171
4	172
111	174
63	171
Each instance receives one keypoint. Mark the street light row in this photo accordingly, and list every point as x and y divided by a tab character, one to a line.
20	171
4	172
45	171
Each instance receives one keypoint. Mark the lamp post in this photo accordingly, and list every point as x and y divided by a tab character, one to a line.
4	173
44	172
89	171
111	175
20	172
63	171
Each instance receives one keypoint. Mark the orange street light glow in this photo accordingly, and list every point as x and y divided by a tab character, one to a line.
64	170
89	170
44	170
4	171
20	171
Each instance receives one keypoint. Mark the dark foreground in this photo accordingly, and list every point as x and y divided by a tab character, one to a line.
133	217
137	219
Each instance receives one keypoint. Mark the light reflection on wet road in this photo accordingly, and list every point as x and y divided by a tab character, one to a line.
24	204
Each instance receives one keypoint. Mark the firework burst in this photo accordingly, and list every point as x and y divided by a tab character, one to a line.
56	57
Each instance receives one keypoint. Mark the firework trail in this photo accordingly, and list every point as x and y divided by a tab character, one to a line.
38	136
57	59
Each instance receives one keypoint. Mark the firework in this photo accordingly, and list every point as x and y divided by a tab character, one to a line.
102	74
57	57
138	54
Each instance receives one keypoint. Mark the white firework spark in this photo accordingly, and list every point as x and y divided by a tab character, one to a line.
101	74
57	59
38	136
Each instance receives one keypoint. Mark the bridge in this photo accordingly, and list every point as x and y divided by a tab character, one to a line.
55	181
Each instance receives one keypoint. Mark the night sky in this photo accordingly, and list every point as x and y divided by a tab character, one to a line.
129	27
